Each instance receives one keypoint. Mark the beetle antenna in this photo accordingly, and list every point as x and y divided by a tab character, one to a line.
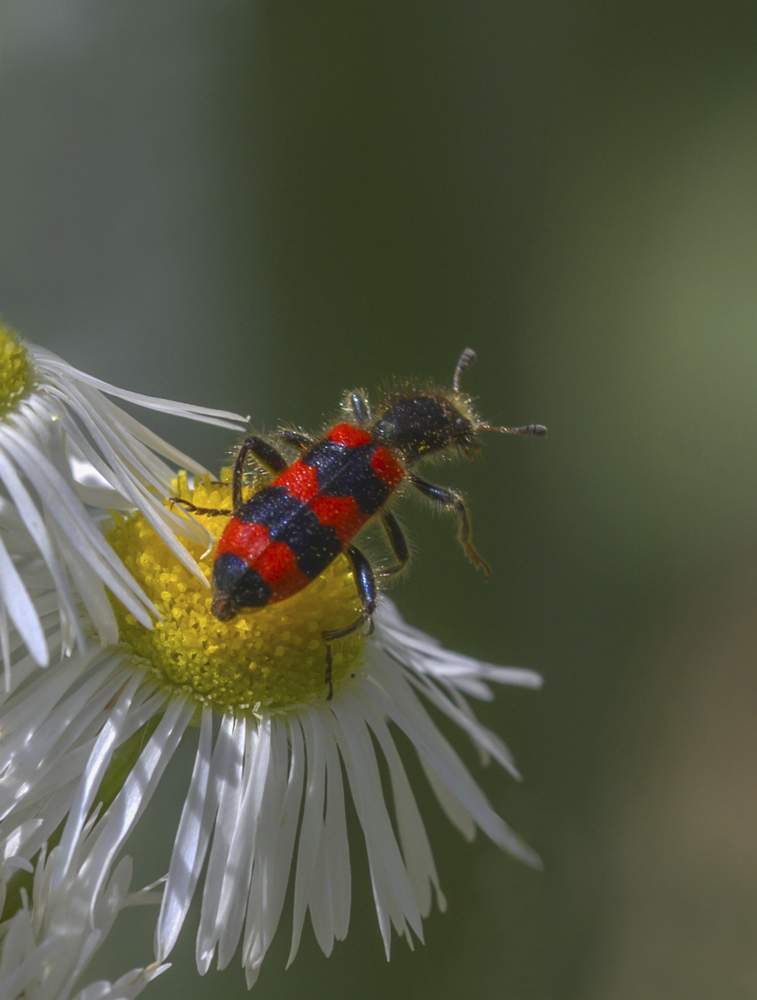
466	360
532	430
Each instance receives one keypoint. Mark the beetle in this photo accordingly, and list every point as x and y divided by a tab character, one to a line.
291	529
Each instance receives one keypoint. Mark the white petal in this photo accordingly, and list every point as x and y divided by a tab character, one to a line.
239	864
398	702
426	655
230	789
61	502
34	524
486	740
392	891
23	614
191	843
50	363
312	822
337	843
274	849
139	786
455	812
97	764
29	759
416	849
125	988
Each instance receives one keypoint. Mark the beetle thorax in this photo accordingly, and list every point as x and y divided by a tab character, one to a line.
421	424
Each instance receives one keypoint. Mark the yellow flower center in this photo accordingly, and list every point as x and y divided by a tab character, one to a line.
15	370
270	658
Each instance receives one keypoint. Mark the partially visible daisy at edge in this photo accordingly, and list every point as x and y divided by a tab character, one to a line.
50	940
66	451
266	798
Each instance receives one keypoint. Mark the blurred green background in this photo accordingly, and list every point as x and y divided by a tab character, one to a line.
256	205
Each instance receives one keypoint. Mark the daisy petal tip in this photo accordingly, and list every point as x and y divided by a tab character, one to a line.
528	856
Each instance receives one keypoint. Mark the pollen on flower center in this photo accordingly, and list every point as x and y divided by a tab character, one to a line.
273	657
15	370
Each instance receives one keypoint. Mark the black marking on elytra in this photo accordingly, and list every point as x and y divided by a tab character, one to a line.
232	575
347	472
327	458
251	590
359	481
314	545
271	506
291	521
227	569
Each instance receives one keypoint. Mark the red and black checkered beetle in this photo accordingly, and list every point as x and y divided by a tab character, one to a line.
289	531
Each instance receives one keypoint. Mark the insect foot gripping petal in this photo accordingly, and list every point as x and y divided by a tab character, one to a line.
341	633
329	678
365	583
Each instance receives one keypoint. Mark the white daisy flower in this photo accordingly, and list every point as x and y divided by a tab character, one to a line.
266	800
47	947
65	447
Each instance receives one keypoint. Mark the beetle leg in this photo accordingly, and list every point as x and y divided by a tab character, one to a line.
454	501
267	455
329	679
208	511
297	439
398	542
365	582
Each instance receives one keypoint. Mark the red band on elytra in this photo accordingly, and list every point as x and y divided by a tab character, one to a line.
300	480
278	567
243	539
342	513
387	468
349	435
